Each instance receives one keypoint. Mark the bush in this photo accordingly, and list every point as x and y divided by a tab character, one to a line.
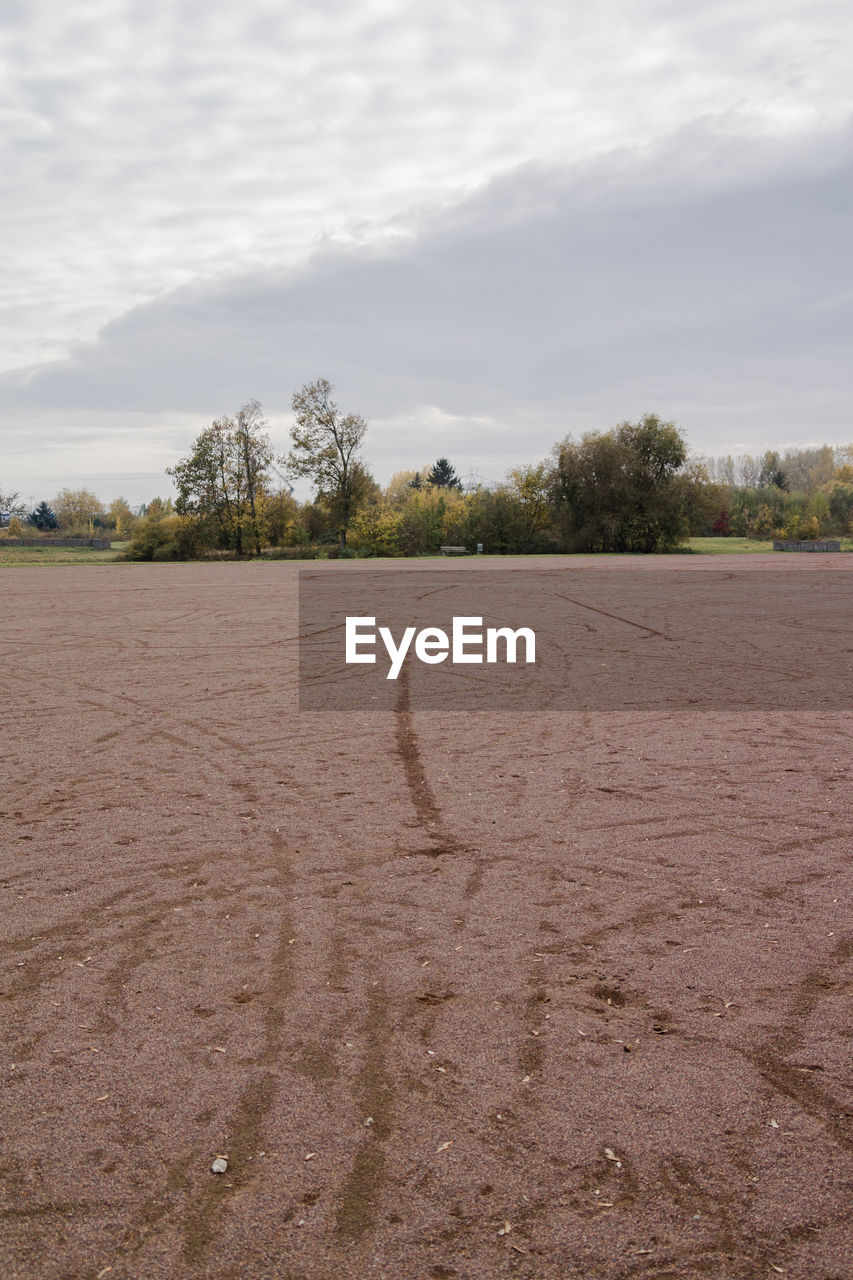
166	538
376	529
291	553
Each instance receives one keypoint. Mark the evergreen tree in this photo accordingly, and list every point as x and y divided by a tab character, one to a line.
443	475
43	518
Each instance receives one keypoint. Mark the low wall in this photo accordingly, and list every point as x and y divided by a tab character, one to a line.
817	544
101	544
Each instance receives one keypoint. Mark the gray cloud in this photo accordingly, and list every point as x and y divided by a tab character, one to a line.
546	293
486	230
157	144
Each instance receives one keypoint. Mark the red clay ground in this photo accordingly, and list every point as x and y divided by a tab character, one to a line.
537	996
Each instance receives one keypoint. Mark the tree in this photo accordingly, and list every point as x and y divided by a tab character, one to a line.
77	510
422	527
222	482
326	449
280	512
807	469
43	518
121	517
255	455
401	487
771	472
443	475
620	490
376	528
840	499
158	536
158	509
530	488
11	505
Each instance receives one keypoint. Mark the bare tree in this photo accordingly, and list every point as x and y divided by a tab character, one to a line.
325	448
11	505
256	456
223	479
748	471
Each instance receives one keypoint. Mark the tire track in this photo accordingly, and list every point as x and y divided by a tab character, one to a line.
204	1213
426	806
771	1059
374	1093
641	626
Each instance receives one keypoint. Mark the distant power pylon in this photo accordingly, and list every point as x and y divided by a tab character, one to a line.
288	486
472	482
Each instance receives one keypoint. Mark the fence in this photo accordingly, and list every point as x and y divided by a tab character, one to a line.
101	544
816	544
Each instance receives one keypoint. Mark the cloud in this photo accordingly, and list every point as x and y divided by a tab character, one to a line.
543	291
485	227
153	145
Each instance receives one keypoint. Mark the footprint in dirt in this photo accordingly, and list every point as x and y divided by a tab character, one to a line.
610	994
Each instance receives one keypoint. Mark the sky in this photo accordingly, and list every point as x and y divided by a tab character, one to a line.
489	224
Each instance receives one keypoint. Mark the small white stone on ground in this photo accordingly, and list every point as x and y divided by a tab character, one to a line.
219	1165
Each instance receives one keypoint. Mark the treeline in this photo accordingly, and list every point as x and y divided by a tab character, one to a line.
803	494
75	513
633	488
628	489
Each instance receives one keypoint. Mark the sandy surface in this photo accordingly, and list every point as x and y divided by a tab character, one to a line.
476	995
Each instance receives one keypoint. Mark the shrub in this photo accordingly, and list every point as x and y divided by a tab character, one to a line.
291	553
376	529
166	538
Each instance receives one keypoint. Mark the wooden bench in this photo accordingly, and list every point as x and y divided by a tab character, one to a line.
454	551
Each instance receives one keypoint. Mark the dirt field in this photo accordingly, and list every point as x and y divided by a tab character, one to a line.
477	995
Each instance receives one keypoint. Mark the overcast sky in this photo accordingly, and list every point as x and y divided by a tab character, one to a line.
488	223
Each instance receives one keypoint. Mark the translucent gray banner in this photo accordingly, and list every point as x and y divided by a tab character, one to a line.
615	639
